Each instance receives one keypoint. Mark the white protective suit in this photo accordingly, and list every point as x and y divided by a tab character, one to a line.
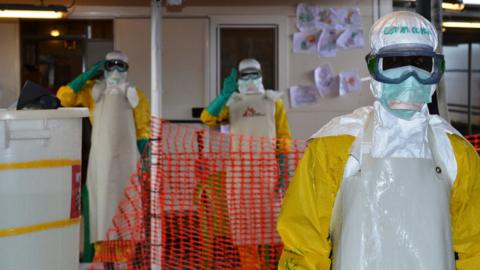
113	154
391	208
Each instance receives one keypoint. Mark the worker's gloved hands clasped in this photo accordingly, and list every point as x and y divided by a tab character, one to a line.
144	149
229	87
77	84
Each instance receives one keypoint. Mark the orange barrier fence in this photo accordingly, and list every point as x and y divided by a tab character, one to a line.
474	140
210	202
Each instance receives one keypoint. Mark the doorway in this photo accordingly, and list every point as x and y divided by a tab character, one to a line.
233	38
237	43
55	52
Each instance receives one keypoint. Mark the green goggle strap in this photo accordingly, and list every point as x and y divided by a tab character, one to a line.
372	63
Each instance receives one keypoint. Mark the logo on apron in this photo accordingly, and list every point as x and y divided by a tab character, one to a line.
251	112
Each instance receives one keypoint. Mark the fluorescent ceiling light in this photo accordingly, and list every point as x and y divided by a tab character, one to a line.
471	2
32	11
461	24
30	14
453	6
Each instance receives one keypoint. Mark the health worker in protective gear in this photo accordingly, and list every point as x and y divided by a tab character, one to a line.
260	113
120	118
266	108
388	186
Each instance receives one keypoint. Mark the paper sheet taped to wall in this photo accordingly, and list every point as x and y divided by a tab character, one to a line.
305	42
349	82
303	95
325	81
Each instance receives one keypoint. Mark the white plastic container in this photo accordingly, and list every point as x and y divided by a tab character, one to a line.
40	156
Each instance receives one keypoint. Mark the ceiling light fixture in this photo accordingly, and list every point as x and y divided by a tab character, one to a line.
175	2
453	6
54	33
451	24
471	2
32	11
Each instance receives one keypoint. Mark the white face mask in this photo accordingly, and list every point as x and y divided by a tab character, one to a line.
115	78
251	86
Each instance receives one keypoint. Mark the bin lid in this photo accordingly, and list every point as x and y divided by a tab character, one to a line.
59	113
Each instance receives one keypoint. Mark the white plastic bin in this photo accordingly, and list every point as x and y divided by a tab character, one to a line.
40	188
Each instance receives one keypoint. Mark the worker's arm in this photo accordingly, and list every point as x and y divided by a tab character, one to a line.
282	128
211	120
82	98
217	112
142	118
78	92
465	205
304	221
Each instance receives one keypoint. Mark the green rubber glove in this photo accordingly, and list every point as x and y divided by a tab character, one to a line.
81	79
141	144
229	87
144	149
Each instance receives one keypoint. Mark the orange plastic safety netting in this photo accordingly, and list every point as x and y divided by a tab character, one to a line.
211	201
474	140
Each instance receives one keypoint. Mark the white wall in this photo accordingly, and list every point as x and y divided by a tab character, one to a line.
307	120
132	36
184	66
184	60
304	121
10	63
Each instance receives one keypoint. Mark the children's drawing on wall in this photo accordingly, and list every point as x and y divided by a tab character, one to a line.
303	95
327	85
326	18
350	39
325	81
349	82
340	28
305	42
306	17
327	43
349	17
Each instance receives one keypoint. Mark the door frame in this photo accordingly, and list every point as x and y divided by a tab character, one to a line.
254	21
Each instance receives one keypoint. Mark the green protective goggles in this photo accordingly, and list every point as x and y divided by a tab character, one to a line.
429	61
119	65
252	75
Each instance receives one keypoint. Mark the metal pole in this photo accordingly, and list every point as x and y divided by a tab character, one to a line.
156	57
469	83
424	8
154	228
441	97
